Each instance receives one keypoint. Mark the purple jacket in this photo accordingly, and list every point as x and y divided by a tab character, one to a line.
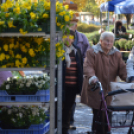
4	75
82	43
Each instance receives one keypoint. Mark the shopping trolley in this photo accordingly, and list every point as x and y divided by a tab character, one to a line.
116	116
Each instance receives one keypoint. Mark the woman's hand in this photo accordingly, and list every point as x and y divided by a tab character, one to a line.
94	81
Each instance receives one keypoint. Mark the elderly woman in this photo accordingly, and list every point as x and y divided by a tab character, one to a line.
102	63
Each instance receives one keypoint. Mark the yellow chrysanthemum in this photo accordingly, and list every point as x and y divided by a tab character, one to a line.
66	18
7	57
24	60
28	45
31	52
2	22
3	66
71	37
18	56
10	24
39	29
11	46
45	16
7	14
17	10
61	26
33	15
5	47
17	63
66	7
64	37
58	24
63	58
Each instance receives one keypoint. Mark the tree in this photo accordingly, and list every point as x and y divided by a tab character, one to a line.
99	2
128	18
80	4
92	7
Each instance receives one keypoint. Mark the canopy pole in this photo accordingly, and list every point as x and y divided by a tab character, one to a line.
108	20
115	26
101	19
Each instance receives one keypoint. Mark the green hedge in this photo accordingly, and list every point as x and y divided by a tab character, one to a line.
85	28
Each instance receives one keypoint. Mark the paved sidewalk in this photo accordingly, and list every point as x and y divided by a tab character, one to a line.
83	120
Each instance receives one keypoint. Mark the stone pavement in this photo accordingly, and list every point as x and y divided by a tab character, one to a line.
83	120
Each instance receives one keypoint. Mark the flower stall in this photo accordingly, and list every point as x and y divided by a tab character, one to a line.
28	34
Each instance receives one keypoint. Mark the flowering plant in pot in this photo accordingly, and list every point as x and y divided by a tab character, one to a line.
21	117
26	16
26	86
27	52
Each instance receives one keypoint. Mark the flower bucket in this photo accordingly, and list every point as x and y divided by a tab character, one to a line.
33	129
40	96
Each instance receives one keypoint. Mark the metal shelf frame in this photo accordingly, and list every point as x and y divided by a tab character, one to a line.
52	36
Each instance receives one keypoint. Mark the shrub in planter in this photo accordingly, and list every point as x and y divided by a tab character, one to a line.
85	28
116	44
21	117
128	45
122	43
25	86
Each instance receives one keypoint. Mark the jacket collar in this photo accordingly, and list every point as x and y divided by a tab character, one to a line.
79	35
97	48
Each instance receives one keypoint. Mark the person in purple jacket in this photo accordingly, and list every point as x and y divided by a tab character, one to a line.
4	75
82	42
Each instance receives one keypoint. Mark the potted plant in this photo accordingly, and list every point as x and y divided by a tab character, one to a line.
122	43
23	117
132	26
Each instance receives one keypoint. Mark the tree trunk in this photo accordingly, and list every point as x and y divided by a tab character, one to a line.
128	18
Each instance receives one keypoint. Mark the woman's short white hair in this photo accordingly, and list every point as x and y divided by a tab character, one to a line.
106	34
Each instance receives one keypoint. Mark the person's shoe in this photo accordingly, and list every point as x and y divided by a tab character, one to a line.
72	127
65	132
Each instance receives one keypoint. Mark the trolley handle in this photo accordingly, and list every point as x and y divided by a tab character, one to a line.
96	86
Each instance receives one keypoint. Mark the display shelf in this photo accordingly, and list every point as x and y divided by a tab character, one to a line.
26	103
33	34
22	103
26	69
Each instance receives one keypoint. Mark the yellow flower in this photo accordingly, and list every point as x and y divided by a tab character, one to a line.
22	32
7	14
7	57
61	26
2	22
71	37
11	46
63	58
17	10
58	24
3	66
45	15
62	13
66	7
5	47
18	56
17	63
24	60
31	52
47	5
39	29
57	44
2	57
10	24
0	48
66	18
11	53
28	45
64	37
23	49
44	66
33	15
